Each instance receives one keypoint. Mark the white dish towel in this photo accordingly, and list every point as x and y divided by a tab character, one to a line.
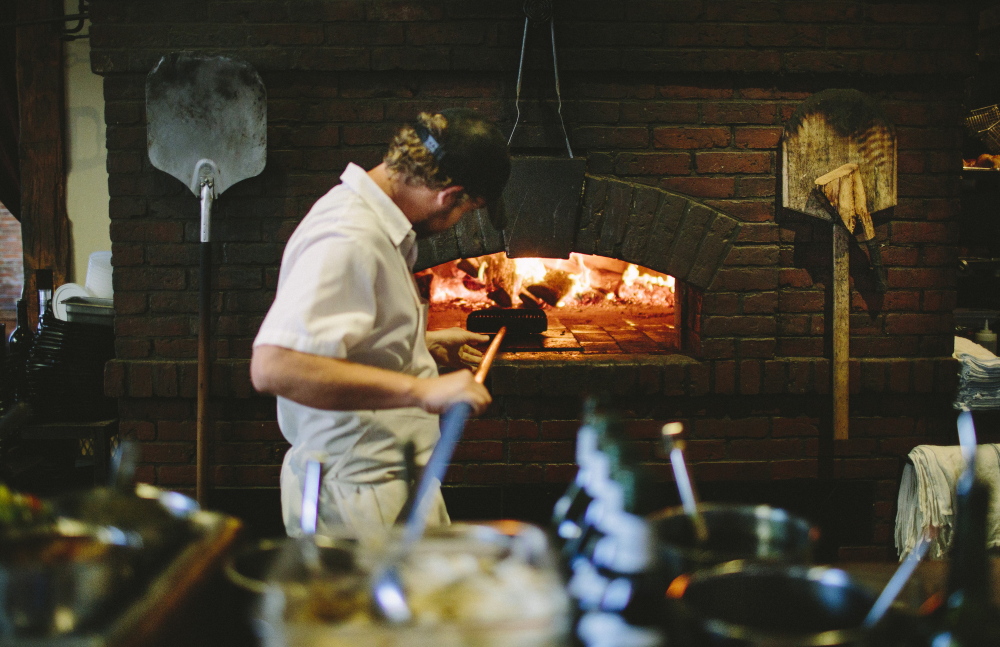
927	495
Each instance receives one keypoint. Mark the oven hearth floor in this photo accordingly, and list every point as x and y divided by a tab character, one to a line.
587	329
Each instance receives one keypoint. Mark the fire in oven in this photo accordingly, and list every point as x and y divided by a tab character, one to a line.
593	304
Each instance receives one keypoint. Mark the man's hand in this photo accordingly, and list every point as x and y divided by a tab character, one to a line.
455	347
436	394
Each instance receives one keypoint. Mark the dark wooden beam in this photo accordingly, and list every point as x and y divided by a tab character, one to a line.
40	88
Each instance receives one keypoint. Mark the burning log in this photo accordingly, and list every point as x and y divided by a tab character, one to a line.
553	287
501	279
468	265
500	297
528	300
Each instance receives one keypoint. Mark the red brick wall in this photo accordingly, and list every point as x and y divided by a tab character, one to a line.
686	96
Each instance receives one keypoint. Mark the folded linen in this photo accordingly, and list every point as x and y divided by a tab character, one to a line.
927	496
979	376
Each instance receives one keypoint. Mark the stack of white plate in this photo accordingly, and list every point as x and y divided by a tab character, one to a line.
98	286
99	275
62	294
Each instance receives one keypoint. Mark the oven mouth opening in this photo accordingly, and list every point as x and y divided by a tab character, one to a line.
594	304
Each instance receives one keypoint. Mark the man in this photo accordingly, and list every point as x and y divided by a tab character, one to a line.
345	346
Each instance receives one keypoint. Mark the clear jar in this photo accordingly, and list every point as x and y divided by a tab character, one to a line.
483	585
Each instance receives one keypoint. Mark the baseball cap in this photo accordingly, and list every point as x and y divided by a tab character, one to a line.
473	153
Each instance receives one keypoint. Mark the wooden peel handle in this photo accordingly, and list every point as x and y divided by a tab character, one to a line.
491	352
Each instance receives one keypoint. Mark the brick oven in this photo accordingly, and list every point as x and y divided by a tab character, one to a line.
678	109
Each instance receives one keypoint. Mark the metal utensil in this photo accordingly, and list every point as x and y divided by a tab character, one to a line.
207	127
968	443
674	445
388	596
309	516
897	582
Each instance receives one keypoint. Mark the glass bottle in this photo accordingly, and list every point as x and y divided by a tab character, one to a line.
4	371
43	281
615	568
570	507
600	493
967	616
18	349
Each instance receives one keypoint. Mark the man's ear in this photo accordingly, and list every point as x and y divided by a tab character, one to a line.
448	196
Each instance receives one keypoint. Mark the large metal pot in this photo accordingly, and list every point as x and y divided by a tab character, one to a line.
162	519
745	604
247	567
62	577
749	532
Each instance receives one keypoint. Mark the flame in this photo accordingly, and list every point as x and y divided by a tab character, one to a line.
579	280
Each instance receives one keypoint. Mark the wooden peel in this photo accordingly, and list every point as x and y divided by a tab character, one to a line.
838	188
834	129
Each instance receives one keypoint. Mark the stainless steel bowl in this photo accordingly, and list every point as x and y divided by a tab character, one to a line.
62	577
748	532
161	518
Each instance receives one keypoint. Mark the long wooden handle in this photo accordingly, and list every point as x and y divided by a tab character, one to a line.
841	333
491	352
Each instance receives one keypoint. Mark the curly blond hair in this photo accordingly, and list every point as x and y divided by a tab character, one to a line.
408	158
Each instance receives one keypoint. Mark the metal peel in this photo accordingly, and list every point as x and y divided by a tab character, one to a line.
674	446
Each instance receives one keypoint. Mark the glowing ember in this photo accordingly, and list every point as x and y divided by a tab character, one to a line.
543	282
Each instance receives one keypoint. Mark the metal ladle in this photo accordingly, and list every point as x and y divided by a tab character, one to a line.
388	597
309	517
968	443
674	446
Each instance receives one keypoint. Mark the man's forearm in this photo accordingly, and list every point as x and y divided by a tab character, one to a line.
328	383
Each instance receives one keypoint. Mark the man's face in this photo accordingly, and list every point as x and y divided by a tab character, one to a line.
445	217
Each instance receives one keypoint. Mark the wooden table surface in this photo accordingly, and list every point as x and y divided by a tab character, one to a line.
929	578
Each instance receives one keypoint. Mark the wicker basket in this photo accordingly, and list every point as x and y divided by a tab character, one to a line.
984	123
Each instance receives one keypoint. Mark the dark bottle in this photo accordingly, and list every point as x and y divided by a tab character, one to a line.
4	371
967	617
593	462
18	349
